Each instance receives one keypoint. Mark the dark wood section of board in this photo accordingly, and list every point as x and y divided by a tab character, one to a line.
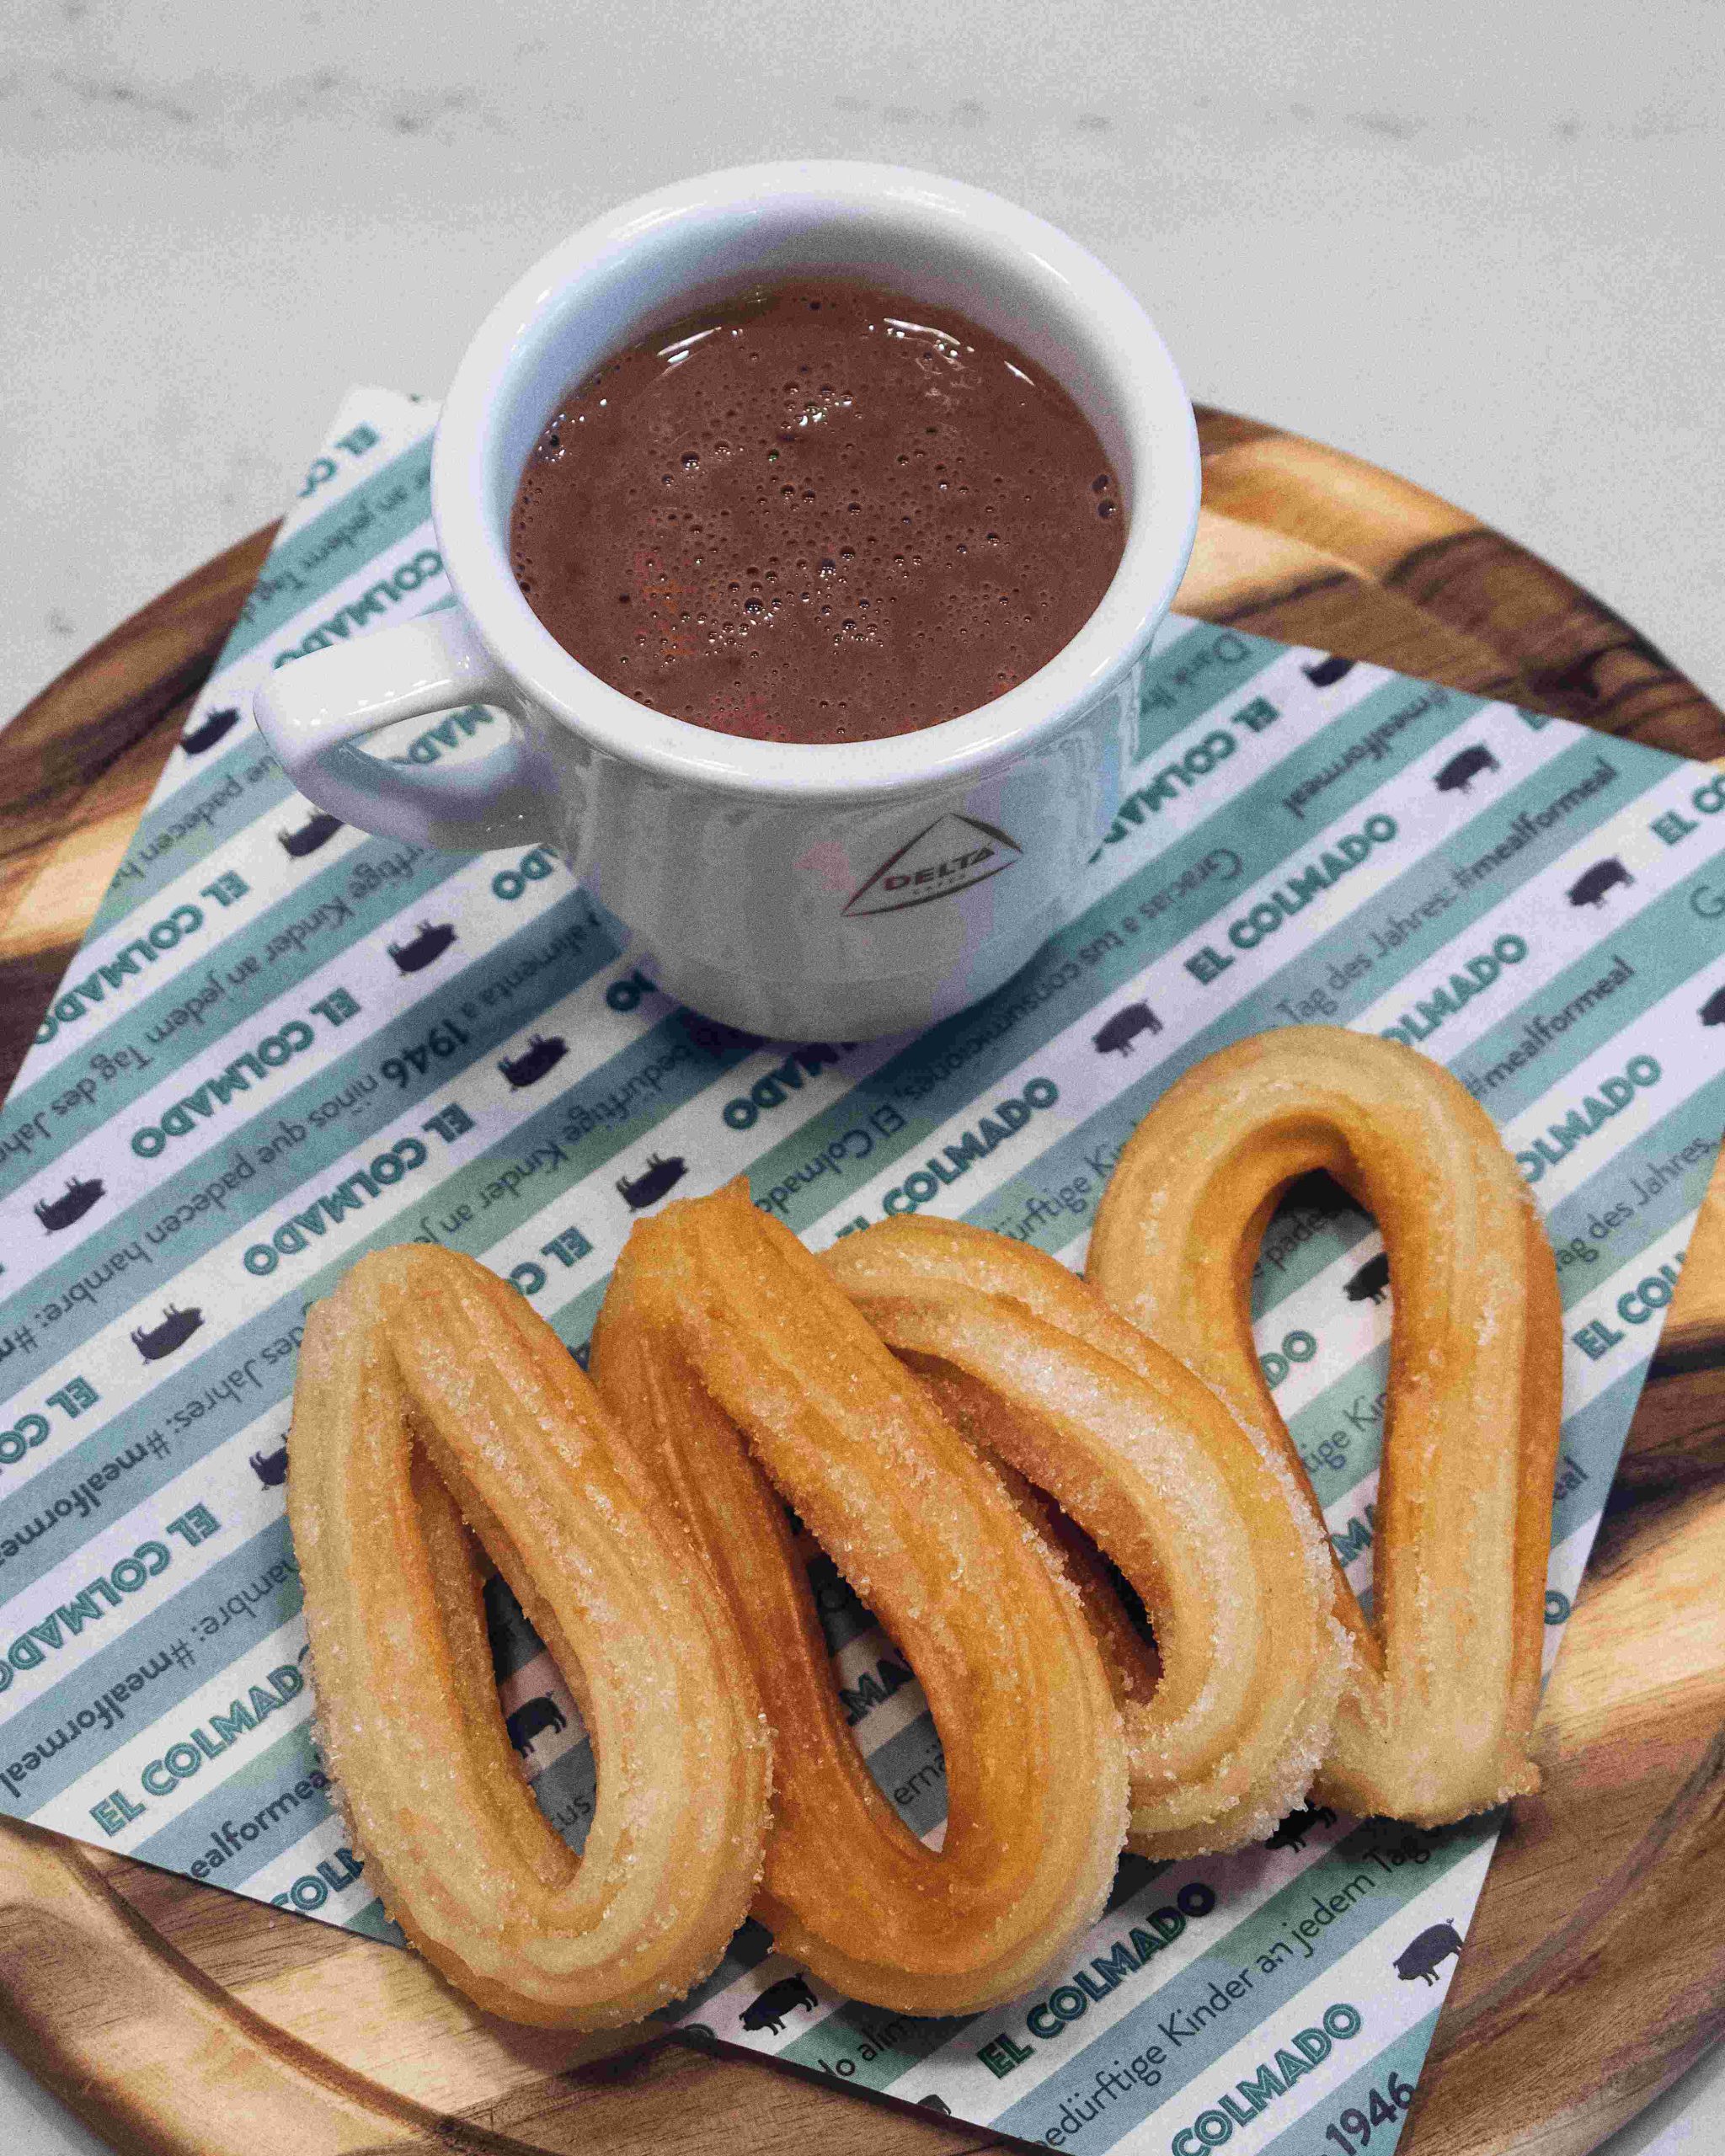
180	2019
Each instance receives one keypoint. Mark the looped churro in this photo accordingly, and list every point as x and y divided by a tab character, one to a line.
719	1328
1207	1527
1435	1721
428	1391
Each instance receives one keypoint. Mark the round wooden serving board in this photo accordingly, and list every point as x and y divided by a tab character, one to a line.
178	2018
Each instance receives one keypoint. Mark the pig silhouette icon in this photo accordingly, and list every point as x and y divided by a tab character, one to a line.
1371	1282
531	1719
777	2001
1425	1953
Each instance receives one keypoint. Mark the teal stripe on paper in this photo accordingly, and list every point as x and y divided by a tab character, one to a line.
235	795
352	534
247	980
1398	2062
256	1802
45	1744
353	1101
1359	1875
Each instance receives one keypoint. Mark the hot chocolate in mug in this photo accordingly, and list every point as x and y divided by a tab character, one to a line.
831	890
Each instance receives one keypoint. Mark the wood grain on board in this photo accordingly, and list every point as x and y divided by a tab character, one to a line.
177	2018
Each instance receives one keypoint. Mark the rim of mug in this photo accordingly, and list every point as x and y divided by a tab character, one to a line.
1142	379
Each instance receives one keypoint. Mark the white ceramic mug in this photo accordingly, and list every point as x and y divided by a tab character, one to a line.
835	891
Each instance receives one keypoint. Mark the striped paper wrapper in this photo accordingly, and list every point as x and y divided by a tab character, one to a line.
284	1043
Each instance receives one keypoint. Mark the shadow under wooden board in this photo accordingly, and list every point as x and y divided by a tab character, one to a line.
178	2018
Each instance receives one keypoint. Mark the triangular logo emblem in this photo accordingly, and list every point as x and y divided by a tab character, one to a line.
950	855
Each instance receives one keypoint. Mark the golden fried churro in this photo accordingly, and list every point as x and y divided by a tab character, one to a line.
428	1391
1207	1526
1435	1723
719	1330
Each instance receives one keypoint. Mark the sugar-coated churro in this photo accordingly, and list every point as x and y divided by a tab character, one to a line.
753	1372
1435	1723
429	1394
1205	1523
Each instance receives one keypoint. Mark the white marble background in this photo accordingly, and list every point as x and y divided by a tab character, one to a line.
1478	242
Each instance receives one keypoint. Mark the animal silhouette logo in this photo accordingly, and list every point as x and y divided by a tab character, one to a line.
1461	772
1589	888
177	1326
71	1204
777	2001
1425	1953
317	831
1372	1282
428	942
1713	1013
1325	673
1118	1035
657	1177
1293	1829
209	730
539	1056
531	1719
270	1468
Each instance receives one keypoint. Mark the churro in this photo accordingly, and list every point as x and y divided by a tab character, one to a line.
1206	1524
733	1346
1435	1721
429	1394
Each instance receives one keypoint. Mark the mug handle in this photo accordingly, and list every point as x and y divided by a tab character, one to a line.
311	712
